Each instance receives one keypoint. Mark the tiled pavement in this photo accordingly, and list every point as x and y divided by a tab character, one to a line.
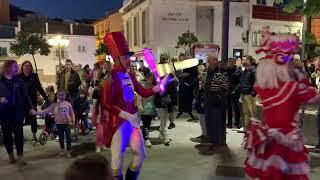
179	161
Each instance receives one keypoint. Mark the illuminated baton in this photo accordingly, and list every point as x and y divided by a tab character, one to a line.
152	65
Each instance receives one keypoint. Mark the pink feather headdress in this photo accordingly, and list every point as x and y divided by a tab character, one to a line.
278	47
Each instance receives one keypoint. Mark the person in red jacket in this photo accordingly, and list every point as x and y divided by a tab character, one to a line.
117	97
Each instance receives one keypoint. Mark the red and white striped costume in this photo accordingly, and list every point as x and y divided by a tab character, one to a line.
276	146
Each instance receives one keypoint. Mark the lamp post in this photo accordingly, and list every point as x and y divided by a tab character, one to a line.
59	42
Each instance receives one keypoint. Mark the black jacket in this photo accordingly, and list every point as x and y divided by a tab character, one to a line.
15	92
73	84
169	98
81	105
33	85
234	73
247	80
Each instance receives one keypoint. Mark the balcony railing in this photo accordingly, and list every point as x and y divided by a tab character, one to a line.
274	13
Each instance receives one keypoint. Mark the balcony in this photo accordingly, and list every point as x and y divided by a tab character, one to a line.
274	13
7	32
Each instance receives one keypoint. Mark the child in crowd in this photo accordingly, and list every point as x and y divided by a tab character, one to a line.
64	118
148	111
91	167
82	108
50	93
100	119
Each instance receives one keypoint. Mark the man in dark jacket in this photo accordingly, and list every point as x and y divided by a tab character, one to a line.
69	80
246	88
233	95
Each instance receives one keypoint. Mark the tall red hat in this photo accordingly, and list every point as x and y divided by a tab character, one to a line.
117	45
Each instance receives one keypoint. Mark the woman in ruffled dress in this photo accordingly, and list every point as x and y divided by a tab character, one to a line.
275	146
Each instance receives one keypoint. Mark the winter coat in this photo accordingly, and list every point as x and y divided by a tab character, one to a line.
18	100
73	84
33	86
81	105
169	98
247	80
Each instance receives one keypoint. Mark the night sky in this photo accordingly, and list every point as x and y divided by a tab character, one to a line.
69	9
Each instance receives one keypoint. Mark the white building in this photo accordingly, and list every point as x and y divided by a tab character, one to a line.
81	48
158	23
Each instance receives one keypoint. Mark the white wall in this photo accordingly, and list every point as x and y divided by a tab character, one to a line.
164	32
235	33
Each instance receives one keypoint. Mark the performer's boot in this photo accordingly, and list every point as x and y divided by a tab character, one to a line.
131	175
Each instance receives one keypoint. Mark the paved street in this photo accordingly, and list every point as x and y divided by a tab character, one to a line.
180	161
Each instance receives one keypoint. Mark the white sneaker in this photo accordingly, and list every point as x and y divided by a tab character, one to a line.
103	148
98	149
147	143
62	153
68	154
166	139
161	136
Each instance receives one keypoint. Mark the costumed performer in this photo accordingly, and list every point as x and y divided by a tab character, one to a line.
117	97
275	147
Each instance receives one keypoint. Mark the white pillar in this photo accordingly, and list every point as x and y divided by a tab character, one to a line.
18	29
47	27
71	28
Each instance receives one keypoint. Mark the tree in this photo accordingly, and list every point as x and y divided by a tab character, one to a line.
186	40
101	50
310	7
32	44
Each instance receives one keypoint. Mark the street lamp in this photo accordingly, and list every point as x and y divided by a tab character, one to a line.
59	42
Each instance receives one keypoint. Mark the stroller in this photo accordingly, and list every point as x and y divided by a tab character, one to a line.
49	130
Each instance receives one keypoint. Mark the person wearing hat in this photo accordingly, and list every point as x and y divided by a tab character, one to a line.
117	97
275	147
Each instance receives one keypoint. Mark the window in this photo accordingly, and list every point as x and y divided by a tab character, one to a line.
239	21
256	38
261	2
64	53
128	32
3	51
143	27
82	49
98	29
136	30
107	27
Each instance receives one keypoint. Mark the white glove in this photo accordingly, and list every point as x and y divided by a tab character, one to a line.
132	118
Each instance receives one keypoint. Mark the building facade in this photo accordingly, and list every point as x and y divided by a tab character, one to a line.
110	23
158	23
